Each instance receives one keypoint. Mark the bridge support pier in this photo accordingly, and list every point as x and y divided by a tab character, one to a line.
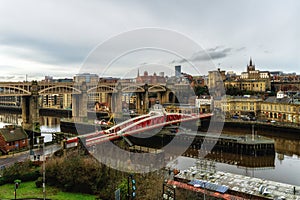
138	106
30	110
79	107
30	113
146	98
116	105
108	101
79	104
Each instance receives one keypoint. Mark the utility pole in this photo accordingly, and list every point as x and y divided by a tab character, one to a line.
42	142
44	172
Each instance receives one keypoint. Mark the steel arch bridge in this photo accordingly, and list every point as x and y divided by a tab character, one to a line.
45	88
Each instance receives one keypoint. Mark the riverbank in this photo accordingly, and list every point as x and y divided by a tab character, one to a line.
263	128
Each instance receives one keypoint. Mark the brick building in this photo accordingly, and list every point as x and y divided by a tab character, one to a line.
12	138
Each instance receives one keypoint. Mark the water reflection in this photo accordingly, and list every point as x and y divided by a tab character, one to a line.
9	118
287	147
283	166
48	126
240	160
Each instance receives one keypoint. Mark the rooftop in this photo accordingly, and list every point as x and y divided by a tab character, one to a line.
13	133
278	100
239	183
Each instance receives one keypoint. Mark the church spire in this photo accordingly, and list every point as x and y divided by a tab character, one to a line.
251	66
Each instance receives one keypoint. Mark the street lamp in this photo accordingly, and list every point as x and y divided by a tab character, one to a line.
42	142
17	183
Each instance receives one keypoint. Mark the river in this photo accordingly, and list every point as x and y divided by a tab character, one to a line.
286	163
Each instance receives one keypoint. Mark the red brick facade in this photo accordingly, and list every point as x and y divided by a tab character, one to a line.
12	138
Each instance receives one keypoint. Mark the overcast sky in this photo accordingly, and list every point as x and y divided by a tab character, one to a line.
57	38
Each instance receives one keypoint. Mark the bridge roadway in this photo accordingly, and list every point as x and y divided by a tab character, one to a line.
81	92
47	88
136	125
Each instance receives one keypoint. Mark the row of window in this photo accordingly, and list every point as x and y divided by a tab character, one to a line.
13	143
253	85
286	108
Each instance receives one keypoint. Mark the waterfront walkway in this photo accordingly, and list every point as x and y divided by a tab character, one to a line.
271	124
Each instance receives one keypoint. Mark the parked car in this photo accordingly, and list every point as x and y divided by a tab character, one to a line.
246	118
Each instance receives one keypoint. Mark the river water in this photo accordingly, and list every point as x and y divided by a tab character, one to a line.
286	166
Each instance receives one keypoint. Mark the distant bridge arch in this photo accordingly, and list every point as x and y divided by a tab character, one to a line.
157	88
8	90
101	88
60	89
133	88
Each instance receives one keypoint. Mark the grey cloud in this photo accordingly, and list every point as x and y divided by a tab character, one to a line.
8	67
241	49
67	36
7	77
219	53
46	51
211	54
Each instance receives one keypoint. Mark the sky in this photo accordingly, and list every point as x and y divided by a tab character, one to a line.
61	38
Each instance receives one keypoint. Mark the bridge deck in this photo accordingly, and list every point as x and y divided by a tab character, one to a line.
134	126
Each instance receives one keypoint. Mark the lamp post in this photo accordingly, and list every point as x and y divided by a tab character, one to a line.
42	142
17	183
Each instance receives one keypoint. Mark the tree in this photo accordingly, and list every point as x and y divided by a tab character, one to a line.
199	90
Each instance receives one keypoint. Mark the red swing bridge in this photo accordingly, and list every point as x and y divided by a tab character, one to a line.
155	119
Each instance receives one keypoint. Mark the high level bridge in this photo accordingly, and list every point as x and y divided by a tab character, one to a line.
29	93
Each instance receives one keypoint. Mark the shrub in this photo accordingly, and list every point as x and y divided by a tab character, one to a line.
39	182
25	171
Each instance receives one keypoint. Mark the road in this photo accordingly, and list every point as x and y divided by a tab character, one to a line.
8	160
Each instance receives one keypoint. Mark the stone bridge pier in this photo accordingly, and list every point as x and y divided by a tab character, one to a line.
30	110
79	104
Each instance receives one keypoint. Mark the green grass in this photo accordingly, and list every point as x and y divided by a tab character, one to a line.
29	190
